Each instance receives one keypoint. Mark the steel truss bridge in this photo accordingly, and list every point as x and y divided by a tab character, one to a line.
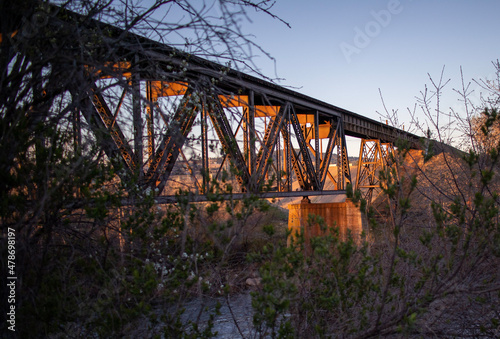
180	106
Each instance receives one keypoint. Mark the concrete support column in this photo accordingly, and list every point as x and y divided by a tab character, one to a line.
344	215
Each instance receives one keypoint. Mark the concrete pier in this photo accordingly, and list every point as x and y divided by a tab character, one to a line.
344	215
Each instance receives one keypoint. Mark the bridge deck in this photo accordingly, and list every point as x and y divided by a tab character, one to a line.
240	196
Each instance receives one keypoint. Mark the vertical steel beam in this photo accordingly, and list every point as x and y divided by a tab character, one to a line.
340	174
246	142
151	98
138	122
316	146
204	149
251	130
77	131
278	162
287	153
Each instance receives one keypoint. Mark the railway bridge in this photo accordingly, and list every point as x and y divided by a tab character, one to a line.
163	115
159	111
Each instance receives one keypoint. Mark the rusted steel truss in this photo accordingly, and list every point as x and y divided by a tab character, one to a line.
165	156
107	131
374	156
272	138
274	144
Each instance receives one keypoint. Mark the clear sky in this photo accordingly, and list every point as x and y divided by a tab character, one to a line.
343	52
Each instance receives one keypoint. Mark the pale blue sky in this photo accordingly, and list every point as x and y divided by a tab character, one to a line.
342	52
420	37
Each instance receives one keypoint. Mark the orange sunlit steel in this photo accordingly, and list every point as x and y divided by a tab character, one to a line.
266	111
324	130
233	100
11	35
166	89
111	70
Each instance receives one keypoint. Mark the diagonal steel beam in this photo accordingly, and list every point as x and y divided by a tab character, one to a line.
173	140
228	141
327	172
101	119
293	160
345	170
119	105
325	163
312	182
225	154
267	147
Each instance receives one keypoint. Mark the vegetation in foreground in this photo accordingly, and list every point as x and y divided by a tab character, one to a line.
89	265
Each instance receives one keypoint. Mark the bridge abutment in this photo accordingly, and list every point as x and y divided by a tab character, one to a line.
344	215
